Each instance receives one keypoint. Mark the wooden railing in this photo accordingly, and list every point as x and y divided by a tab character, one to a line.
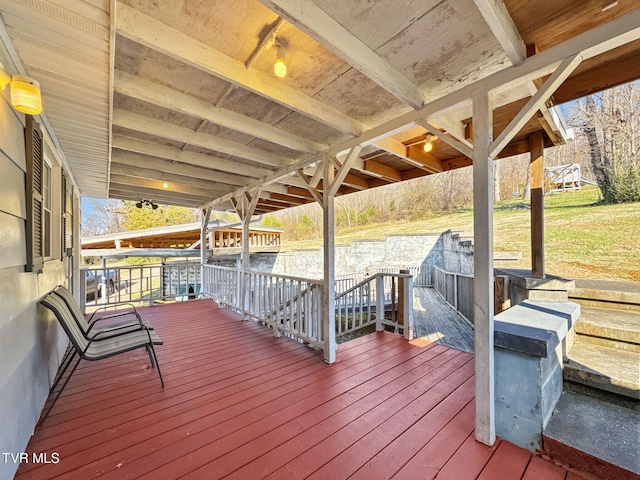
221	284
144	284
382	299
421	274
457	290
290	305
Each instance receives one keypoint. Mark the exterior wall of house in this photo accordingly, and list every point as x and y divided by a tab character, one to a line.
31	341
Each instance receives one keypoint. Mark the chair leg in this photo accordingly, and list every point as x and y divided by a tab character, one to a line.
64	365
153	363
67	352
60	392
153	350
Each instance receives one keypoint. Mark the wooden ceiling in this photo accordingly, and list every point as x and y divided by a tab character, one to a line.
193	102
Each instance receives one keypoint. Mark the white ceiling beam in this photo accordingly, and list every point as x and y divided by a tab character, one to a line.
541	96
170	179
463	148
399	149
317	176
315	22
146	30
593	42
501	24
348	162
176	168
313	190
598	40
154	168
497	16
453	125
156	94
136	192
191	158
159	128
131	196
175	188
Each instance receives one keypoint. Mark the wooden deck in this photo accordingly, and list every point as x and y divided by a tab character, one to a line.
436	322
239	403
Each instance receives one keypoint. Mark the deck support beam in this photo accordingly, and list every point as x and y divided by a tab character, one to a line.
483	267
536	169
328	244
245	205
205	214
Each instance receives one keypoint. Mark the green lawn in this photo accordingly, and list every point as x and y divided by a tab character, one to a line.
582	239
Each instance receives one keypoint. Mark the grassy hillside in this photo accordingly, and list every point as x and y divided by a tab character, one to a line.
582	239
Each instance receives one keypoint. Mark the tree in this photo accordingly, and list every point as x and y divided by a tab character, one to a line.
112	216
497	194
610	124
101	216
142	218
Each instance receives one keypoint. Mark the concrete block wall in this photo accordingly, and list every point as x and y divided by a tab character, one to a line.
393	250
457	253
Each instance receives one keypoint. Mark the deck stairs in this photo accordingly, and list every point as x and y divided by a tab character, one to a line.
595	427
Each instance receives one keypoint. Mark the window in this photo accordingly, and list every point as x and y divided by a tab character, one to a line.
46	211
67	216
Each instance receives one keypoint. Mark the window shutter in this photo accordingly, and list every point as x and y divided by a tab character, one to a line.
35	160
63	208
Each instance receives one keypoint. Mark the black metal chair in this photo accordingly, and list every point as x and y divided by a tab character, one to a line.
90	327
99	344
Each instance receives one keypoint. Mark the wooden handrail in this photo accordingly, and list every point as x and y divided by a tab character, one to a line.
369	279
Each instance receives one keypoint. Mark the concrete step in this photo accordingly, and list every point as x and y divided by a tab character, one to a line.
607	294
593	436
611	328
605	396
609	369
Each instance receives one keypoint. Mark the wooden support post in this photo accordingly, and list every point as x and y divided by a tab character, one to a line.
405	304
502	298
204	223
536	168
245	205
329	292
483	267
379	302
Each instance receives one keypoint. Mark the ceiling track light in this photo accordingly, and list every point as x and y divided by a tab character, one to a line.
25	92
147	203
279	67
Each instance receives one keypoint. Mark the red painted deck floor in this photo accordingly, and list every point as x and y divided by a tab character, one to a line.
239	403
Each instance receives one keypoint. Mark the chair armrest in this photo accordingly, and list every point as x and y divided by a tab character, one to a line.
131	306
110	331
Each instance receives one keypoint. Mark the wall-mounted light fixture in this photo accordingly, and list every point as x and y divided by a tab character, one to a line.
147	203
165	185
280	67
25	92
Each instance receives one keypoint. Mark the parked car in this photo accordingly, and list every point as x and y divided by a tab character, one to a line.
90	284
94	281
113	282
